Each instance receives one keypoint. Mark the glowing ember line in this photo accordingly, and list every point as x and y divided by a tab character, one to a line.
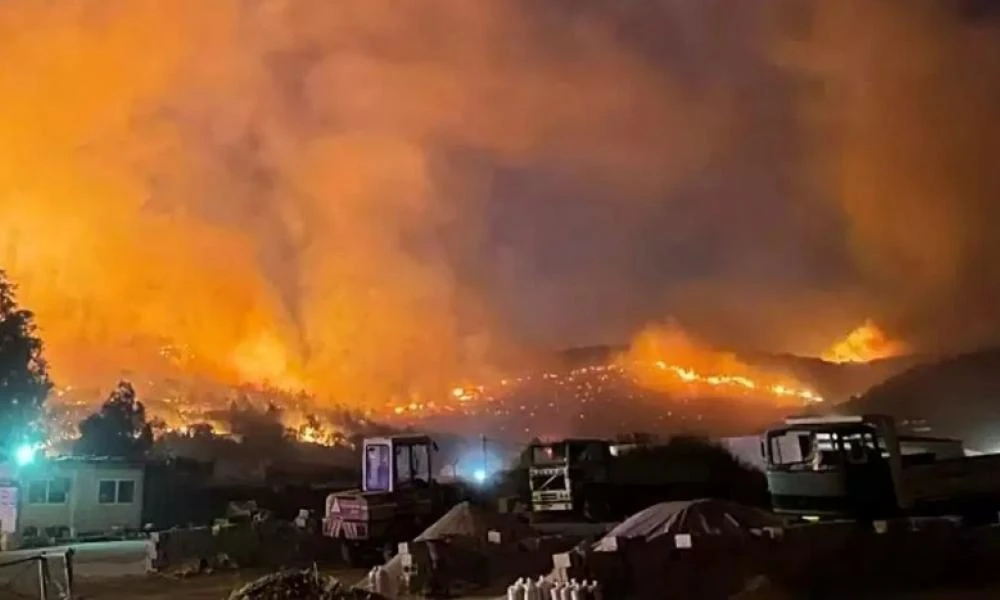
740	383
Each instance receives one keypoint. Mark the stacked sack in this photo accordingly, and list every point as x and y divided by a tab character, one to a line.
543	589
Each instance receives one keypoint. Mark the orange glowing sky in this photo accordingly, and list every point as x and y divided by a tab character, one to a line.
301	192
171	203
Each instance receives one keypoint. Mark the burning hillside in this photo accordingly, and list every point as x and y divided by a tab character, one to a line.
665	379
602	400
666	358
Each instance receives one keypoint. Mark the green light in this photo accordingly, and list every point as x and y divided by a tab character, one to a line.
25	455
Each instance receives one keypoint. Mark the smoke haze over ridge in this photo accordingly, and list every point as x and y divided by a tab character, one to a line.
373	197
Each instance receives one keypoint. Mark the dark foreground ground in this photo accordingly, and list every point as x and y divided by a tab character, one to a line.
115	570
153	587
218	587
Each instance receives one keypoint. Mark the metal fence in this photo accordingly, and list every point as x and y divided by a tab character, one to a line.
45	576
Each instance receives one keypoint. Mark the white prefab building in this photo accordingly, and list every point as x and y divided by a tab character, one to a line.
71	497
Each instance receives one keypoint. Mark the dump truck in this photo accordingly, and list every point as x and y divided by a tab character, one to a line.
563	477
861	467
599	480
398	499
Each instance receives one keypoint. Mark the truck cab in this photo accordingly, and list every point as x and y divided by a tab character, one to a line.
860	466
560	471
834	466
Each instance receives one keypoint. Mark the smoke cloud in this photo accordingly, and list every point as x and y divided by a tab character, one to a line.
898	101
292	191
372	198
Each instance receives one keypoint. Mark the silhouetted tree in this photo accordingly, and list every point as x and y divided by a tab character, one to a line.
259	427
24	379
636	437
202	431
697	467
118	429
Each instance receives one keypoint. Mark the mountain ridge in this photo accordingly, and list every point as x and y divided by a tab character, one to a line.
956	396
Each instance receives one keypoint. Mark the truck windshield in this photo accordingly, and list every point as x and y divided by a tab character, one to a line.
821	449
574	452
548	455
377	471
413	463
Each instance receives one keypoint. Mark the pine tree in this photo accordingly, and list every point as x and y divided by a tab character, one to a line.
24	379
118	429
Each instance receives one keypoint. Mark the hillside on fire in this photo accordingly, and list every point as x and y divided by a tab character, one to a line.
839	382
953	397
585	397
850	365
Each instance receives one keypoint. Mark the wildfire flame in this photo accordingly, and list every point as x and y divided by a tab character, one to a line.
866	343
663	357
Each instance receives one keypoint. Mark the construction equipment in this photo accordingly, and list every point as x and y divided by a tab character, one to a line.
398	499
560	472
599	480
860	467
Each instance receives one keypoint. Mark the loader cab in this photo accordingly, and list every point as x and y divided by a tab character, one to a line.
833	466
396	462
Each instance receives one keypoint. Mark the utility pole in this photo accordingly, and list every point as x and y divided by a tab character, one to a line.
486	471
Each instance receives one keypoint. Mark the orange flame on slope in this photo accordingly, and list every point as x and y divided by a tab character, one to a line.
665	358
864	344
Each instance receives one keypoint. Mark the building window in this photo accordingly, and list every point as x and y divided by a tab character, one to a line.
111	491
126	492
48	491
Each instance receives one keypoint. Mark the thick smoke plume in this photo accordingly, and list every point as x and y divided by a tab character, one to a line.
289	191
371	199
